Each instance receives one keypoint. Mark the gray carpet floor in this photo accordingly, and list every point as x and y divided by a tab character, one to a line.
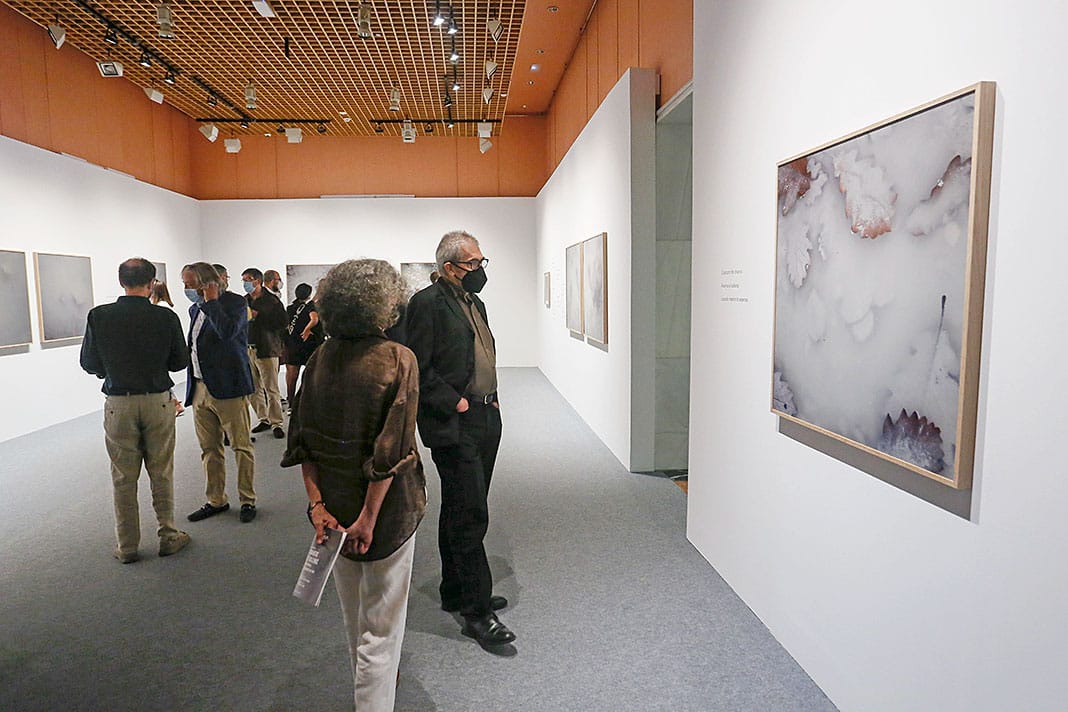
613	608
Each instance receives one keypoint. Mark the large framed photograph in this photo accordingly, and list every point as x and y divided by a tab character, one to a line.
595	288
161	272
573	286
416	276
64	296
15	296
304	274
880	272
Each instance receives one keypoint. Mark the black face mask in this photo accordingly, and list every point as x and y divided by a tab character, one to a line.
474	280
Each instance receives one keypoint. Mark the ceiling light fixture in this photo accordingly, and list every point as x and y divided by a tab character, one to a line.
453	29
111	37
455	81
363	21
485	130
212	101
280	129
484	144
496	29
250	96
170	78
408	131
294	135
491	68
110	69
487	94
535	67
394	99
165	20
146	59
448	99
439	19
429	128
347	119
453	56
57	34
154	94
321	128
379	128
264	8
210	131
244	124
233	145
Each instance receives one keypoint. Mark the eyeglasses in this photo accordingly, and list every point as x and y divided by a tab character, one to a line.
472	265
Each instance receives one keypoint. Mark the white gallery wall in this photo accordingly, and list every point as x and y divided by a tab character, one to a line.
606	183
269	234
887	602
58	204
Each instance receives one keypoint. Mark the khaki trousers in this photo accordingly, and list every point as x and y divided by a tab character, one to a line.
140	429
374	604
212	417
266	399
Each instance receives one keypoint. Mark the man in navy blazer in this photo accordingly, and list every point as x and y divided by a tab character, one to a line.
218	386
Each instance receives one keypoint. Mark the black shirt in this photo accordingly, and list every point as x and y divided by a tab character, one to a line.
266	329
132	344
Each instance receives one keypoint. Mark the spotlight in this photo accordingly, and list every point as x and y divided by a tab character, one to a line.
294	135
212	101
111	37
154	94
110	69
487	94
394	99
170	78
165	20
379	129
454	57
280	129
408	132
451	123
491	68
244	124
57	34
484	144
453	29
429	128
146	59
233	145
496	29
363	22
321	128
210	131
485	129
455	83
448	99
250	96
263	7
439	19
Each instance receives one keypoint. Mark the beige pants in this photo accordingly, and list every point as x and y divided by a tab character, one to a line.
140	429
374	604
212	417
266	400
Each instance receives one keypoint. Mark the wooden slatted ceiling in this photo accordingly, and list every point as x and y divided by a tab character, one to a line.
226	43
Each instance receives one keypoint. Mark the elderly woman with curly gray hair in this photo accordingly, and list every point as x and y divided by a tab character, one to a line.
353	433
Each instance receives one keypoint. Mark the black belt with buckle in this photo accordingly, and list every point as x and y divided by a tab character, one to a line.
133	393
483	400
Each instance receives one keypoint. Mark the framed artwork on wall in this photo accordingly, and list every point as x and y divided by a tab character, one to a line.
161	272
416	276
15	296
547	290
304	274
573	284
595	288
64	296
880	272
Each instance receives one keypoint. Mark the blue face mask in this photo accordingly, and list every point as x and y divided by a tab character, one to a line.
194	296
250	287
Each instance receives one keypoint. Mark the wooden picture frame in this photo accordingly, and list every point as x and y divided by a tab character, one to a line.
880	272
574	291
15	326
595	288
64	296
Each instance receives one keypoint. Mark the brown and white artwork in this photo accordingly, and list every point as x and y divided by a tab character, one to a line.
304	274
15	296
416	276
595	288
880	270
64	295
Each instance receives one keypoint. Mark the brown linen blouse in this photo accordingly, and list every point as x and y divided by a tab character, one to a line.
354	416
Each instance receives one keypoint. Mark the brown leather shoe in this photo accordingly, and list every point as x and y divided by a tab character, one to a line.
173	543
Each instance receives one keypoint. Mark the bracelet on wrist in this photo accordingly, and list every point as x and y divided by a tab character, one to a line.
313	505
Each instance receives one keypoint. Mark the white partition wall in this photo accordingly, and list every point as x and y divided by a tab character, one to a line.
888	602
606	183
54	203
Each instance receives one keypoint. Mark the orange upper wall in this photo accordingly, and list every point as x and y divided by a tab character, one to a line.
57	100
620	34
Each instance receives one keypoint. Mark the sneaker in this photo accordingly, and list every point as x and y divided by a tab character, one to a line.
279	433
248	513
207	511
173	543
126	558
262	427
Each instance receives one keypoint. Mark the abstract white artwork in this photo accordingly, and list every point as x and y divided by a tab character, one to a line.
304	274
573	285
416	276
14	295
595	288
64	295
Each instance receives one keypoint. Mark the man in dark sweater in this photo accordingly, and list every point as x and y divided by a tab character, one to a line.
132	345
265	331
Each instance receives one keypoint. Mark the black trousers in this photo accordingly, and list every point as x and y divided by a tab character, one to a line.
465	470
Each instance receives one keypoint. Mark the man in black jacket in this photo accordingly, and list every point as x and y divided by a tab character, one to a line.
132	345
265	331
459	420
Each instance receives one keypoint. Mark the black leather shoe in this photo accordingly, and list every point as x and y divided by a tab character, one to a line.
248	513
496	604
279	433
262	427
207	511
488	630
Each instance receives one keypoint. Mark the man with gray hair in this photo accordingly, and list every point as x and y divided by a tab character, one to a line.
459	419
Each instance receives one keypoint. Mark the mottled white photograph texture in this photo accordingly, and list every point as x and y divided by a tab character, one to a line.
15	296
65	293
